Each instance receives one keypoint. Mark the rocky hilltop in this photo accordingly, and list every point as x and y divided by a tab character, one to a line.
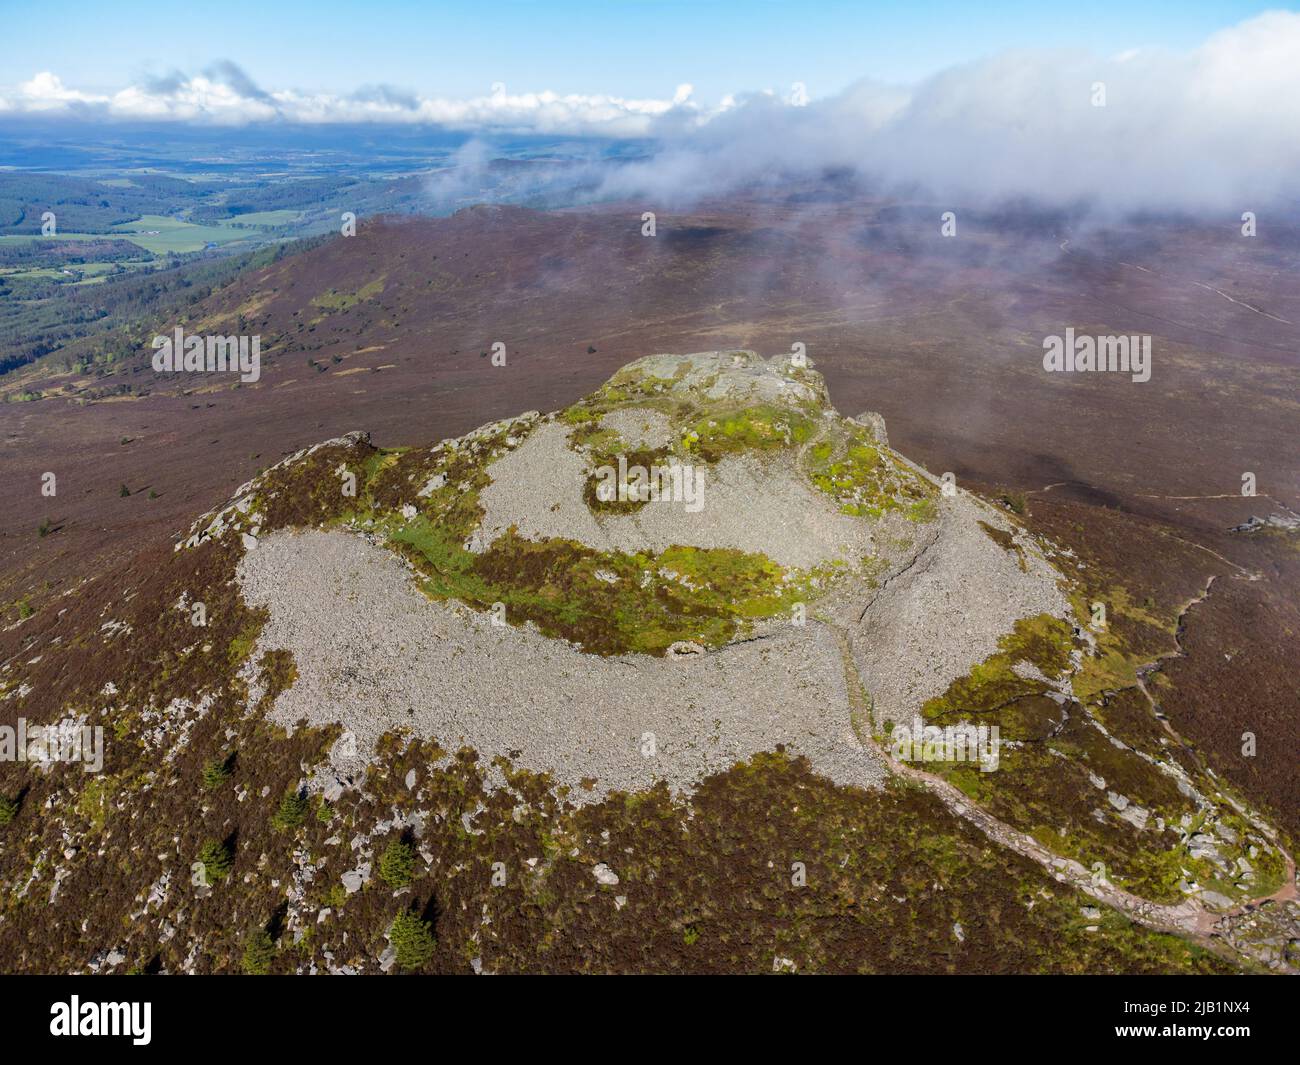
699	612
709	626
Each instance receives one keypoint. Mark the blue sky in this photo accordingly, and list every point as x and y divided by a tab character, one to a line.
626	47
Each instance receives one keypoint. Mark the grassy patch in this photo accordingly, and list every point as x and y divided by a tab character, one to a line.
866	481
332	300
1055	777
160	234
609	602
96	801
758	428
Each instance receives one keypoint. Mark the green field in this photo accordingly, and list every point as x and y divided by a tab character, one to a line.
41	273
92	273
27	238
153	233
267	219
160	235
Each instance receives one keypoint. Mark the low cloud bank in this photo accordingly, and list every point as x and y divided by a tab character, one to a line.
1216	128
224	95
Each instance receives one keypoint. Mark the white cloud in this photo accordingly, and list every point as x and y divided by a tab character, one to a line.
1218	125
1215	128
46	92
224	95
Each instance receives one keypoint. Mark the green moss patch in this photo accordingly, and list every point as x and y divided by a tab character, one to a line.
757	428
596	487
993	693
443	482
866	480
1058	769
333	301
609	602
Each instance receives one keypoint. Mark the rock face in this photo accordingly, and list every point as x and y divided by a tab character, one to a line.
876	423
746	504
553	621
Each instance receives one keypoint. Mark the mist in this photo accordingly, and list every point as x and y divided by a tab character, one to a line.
1215	130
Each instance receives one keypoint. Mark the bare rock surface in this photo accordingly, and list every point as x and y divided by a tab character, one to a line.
945	610
374	654
640	427
919	603
747	503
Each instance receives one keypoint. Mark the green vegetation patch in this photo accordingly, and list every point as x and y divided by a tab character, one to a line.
333	300
397	864
216	859
217	771
265	219
95	801
1057	769
160	234
442	482
609	602
993	692
868	481
259	953
412	940
757	428
292	811
601	492
1119	653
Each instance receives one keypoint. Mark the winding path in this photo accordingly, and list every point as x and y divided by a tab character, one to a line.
1188	918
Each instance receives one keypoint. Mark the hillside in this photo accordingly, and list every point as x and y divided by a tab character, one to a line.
457	691
394	330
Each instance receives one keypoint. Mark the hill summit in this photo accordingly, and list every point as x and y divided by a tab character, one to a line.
696	624
701	557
